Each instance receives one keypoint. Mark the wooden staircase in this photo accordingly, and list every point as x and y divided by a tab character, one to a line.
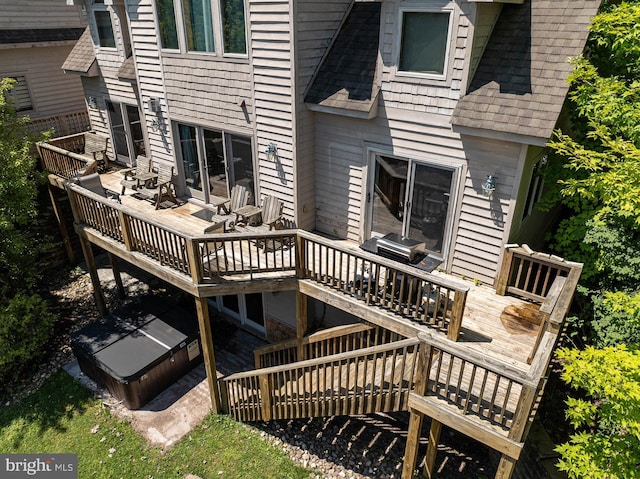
355	369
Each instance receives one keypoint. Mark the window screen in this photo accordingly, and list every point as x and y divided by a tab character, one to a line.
424	42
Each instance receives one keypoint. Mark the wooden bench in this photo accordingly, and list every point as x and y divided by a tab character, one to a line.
95	148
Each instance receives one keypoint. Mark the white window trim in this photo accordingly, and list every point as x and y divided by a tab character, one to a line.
182	25
221	30
100	7
218	34
420	8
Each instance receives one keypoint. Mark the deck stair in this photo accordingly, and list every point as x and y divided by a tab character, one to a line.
355	369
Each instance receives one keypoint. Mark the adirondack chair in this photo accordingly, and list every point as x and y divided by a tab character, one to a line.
239	198
270	211
162	189
92	183
138	175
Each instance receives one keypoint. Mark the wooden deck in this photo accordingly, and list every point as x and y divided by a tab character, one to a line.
501	326
482	353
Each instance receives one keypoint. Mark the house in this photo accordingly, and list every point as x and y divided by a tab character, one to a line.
427	120
35	39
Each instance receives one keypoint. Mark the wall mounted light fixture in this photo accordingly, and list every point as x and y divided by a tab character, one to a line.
153	104
92	102
271	151
489	186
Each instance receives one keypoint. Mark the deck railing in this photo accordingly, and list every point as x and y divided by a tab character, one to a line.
59	157
377	281
62	125
403	290
339	339
375	379
495	399
530	274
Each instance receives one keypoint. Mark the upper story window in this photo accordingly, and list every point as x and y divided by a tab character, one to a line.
106	37
167	23
203	25
424	43
233	26
198	24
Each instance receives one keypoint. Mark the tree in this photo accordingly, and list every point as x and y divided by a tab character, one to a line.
596	167
607	444
25	323
18	197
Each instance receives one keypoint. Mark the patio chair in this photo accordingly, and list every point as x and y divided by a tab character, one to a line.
92	183
162	189
270	211
138	175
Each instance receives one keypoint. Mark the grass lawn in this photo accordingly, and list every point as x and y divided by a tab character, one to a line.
63	417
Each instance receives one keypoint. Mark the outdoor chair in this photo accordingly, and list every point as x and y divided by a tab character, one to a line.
270	211
138	175
162	189
239	198
92	183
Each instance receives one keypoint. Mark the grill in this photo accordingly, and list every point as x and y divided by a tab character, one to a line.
400	248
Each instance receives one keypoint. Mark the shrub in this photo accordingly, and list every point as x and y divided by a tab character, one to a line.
25	327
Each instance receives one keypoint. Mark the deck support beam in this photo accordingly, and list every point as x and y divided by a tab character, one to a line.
90	260
206	340
115	267
301	323
432	447
62	226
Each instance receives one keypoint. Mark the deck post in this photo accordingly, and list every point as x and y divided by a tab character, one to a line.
506	467
115	267
64	232
301	323
505	269
432	447
98	293
416	417
206	339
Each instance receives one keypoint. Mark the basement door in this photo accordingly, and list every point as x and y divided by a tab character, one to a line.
247	309
412	199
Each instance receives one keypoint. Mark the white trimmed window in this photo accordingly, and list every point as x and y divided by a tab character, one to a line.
20	94
424	42
104	26
203	26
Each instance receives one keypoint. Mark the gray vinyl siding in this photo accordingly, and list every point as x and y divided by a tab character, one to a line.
52	92
272	79
486	16
414	122
316	26
39	14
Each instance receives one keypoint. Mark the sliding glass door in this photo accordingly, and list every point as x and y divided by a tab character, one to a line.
126	131
214	161
412	199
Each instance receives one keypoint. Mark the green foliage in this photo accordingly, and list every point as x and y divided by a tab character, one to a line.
25	327
607	443
61	417
18	198
616	318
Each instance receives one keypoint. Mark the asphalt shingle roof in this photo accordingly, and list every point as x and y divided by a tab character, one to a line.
127	70
34	35
521	81
346	78
82	55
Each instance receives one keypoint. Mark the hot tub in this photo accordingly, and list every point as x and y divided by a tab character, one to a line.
137	353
